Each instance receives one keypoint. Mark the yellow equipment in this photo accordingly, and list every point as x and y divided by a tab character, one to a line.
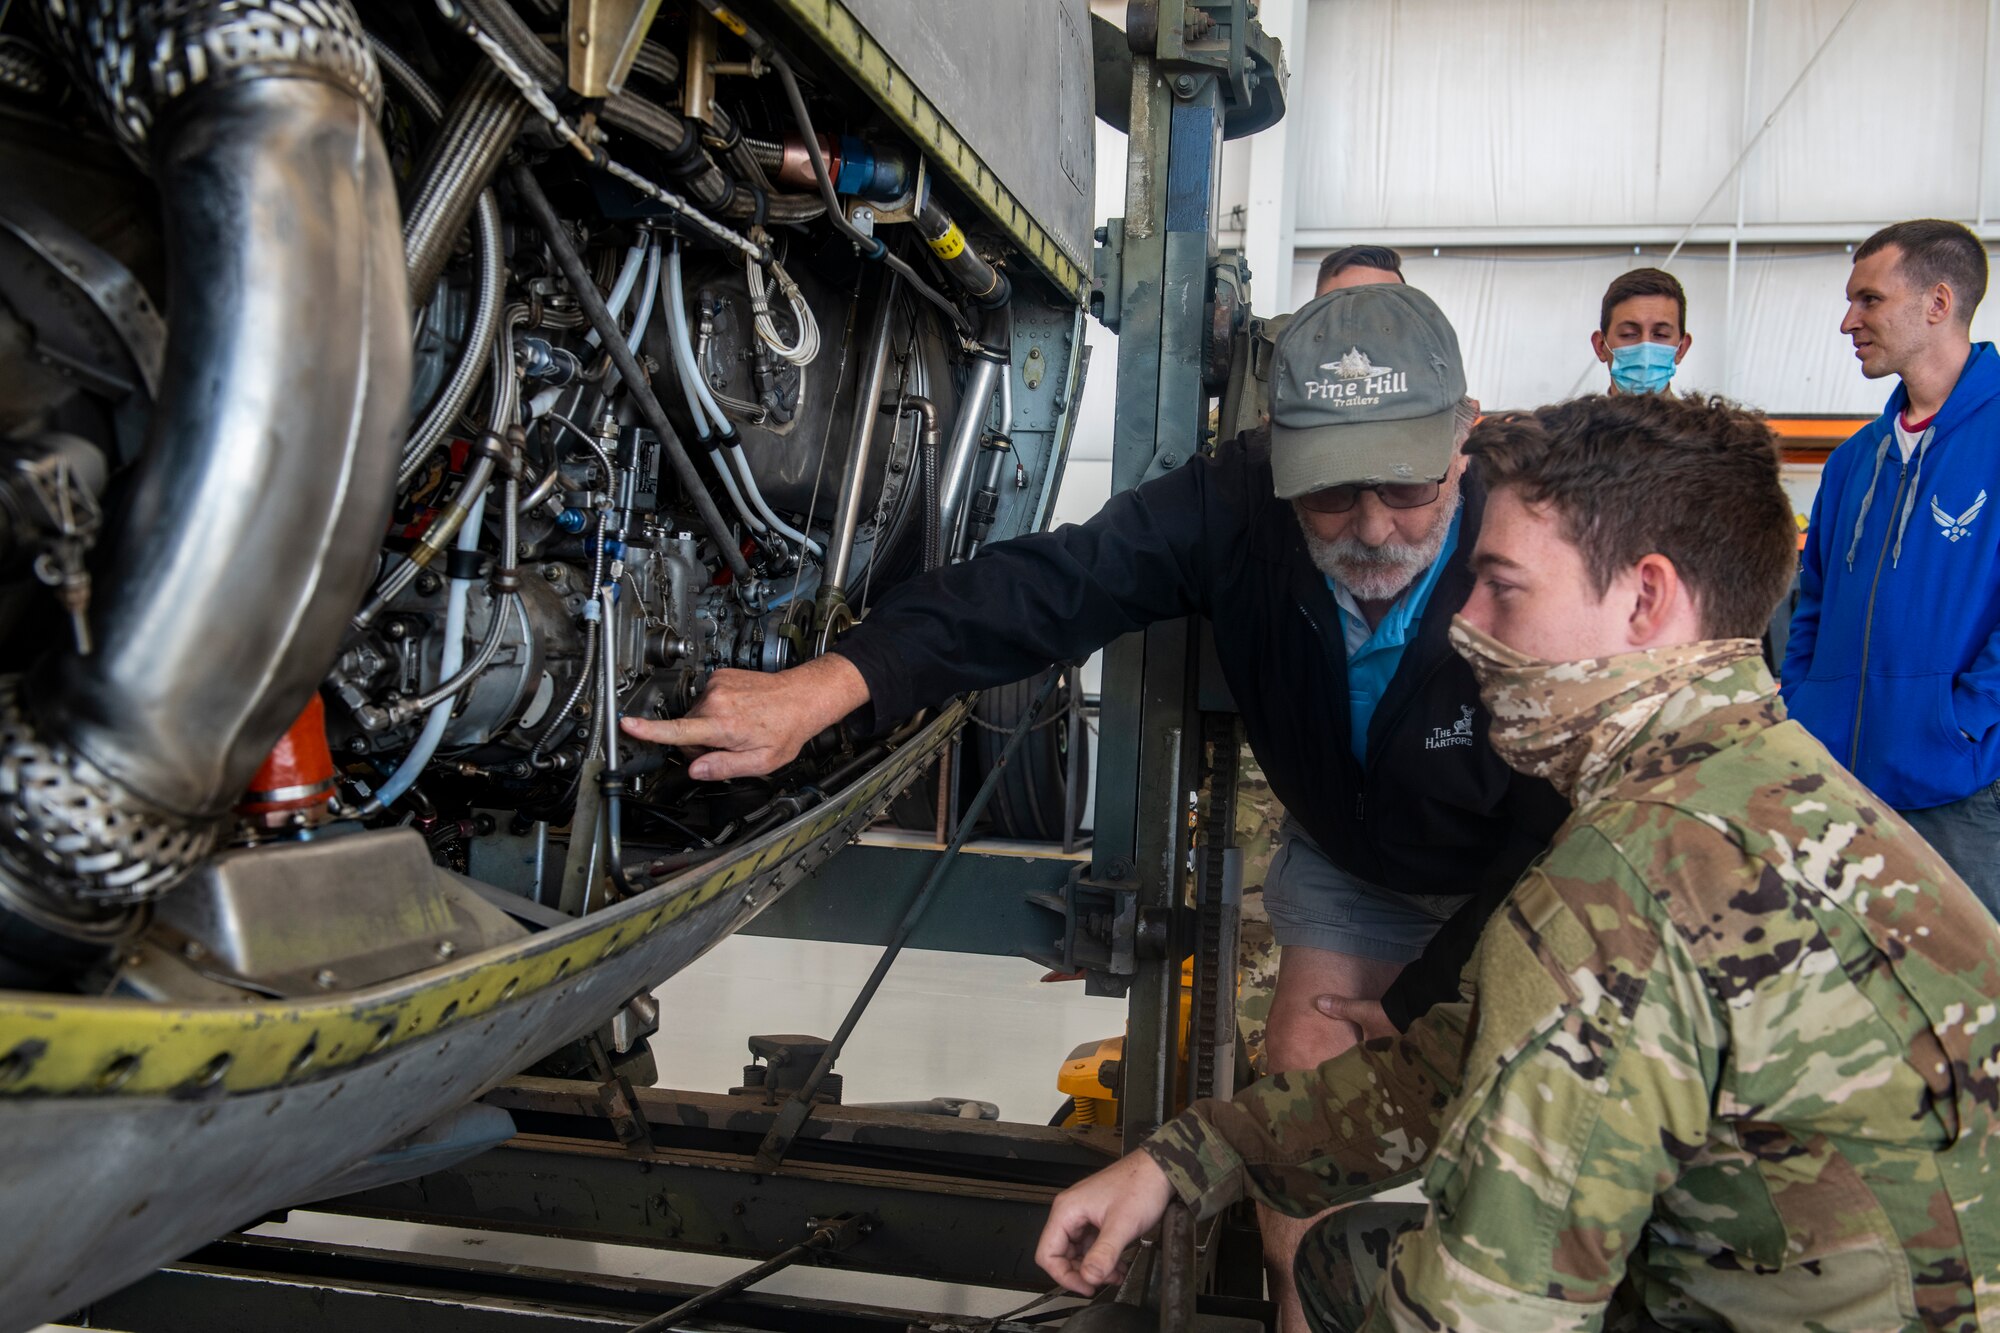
1089	1077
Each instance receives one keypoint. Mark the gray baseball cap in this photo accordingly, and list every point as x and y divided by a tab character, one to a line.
1364	389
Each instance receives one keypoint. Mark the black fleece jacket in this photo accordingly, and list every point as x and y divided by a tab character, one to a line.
1432	811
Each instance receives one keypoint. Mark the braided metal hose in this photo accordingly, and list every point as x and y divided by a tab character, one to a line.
689	163
481	122
134	58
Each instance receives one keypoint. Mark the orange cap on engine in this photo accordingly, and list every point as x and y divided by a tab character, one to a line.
295	784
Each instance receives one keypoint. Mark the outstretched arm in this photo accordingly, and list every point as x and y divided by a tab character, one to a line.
1297	1141
1022	604
747	723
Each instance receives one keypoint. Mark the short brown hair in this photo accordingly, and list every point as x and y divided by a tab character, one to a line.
1358	256
1694	479
1641	282
1935	251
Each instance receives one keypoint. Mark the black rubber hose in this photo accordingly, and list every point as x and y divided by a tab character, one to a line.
613	338
871	247
986	285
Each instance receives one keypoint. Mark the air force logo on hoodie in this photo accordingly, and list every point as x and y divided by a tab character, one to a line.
1954	528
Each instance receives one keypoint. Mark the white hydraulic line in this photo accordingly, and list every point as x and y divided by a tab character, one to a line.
621	289
778	525
722	470
646	291
697	387
677	335
673	293
805	347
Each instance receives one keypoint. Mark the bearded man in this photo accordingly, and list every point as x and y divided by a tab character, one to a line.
1727	1055
1328	552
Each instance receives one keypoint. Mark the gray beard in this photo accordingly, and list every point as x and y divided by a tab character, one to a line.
1379	573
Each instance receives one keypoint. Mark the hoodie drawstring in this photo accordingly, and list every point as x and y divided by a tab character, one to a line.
1868	498
1909	502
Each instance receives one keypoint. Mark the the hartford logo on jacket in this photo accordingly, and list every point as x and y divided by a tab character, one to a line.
1894	660
1458	733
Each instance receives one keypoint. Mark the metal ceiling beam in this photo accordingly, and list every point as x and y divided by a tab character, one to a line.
1610	234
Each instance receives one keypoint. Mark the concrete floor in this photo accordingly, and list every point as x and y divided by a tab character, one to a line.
942	1025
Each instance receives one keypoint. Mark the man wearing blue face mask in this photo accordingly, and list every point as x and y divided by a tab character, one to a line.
1642	330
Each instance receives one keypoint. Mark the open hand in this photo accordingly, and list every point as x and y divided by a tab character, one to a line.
748	723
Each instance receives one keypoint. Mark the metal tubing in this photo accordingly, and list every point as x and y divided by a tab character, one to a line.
286	384
543	489
927	452
610	781
507	588
585	291
957	489
847	510
743	1281
1180	1269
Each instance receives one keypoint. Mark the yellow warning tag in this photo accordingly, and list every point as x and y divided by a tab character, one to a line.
730	21
950	245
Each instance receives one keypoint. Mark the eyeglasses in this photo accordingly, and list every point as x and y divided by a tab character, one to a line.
1394	494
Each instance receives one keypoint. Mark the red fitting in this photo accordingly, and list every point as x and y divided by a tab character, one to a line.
294	788
796	168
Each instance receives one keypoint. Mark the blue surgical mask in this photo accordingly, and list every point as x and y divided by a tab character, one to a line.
1642	367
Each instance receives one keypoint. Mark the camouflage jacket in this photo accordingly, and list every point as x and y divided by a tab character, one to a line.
1732	1056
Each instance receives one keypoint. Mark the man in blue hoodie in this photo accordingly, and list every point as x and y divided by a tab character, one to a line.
1894	658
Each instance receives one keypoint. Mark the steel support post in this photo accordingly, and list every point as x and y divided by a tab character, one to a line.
1149	735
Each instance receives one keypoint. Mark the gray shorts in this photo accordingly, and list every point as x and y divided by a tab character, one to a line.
1314	904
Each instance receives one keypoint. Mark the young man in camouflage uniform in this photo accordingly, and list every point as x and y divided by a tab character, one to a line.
1732	1056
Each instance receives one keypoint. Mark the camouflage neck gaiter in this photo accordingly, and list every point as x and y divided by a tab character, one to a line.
1566	721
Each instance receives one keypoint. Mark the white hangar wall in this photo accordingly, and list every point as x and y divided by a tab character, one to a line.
1521	153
